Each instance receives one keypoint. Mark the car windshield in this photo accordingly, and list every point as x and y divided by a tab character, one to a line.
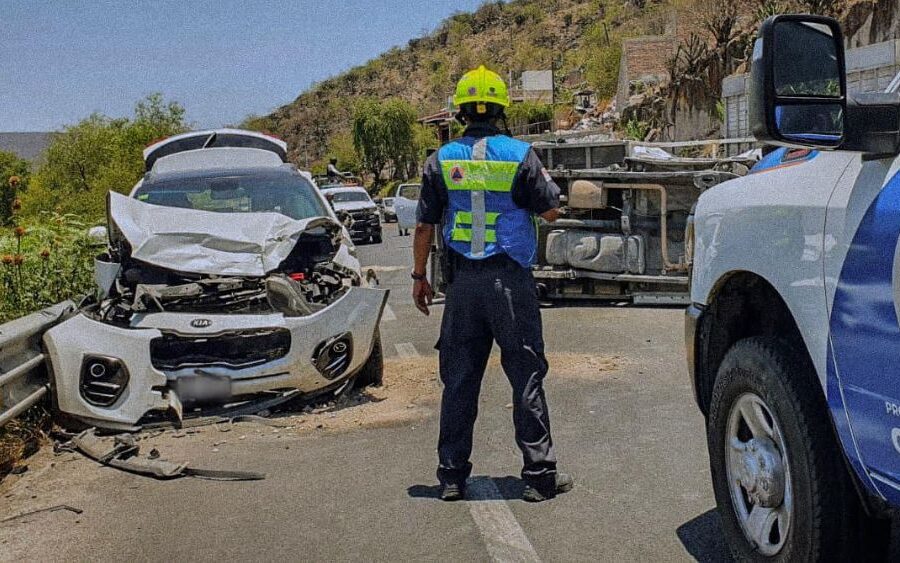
343	197
286	194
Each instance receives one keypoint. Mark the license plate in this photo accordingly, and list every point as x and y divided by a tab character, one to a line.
203	387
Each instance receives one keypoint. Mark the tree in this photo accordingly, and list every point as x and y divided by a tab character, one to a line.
99	154
384	134
13	180
340	146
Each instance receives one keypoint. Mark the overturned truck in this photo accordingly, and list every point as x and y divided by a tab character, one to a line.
624	232
227	275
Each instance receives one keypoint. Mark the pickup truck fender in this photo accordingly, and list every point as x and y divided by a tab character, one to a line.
771	223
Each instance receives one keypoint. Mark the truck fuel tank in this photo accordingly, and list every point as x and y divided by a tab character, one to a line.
599	252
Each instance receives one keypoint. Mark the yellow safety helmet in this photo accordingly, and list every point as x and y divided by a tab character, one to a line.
481	86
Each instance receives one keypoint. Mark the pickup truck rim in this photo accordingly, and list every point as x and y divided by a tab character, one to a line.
758	474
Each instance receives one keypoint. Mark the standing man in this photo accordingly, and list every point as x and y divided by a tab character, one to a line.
487	189
332	171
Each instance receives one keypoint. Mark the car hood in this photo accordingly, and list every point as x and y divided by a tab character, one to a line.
207	242
354	205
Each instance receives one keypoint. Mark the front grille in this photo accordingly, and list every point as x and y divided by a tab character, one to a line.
365	217
234	349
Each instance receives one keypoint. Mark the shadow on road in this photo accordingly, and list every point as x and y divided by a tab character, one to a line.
509	488
702	538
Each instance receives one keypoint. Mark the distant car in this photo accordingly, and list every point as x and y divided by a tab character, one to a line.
227	275
405	204
365	223
388	211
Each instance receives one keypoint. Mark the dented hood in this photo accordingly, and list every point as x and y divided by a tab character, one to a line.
207	242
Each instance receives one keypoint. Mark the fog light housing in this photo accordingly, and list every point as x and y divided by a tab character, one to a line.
103	380
332	357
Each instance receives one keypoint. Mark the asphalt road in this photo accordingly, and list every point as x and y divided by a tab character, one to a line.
623	420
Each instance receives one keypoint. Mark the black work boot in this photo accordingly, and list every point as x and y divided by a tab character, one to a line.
453	491
564	484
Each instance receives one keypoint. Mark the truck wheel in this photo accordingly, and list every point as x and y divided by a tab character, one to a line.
779	477
372	372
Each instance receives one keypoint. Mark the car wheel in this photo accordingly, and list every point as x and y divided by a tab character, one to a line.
372	372
779	477
376	238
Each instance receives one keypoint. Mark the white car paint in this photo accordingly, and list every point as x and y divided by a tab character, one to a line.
771	223
406	200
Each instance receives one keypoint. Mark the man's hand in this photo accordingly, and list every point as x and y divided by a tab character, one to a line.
423	295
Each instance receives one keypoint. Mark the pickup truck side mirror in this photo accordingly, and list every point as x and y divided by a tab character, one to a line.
798	91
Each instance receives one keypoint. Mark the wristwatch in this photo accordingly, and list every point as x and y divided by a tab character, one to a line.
417	277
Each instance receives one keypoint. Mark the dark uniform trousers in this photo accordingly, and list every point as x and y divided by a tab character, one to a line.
488	300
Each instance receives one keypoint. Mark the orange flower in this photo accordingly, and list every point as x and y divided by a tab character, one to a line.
45	253
20	232
7	259
14	181
18	259
17	204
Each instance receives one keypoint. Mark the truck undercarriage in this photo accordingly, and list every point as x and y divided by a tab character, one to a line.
626	222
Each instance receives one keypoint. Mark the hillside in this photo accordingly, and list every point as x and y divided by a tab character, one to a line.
571	36
580	39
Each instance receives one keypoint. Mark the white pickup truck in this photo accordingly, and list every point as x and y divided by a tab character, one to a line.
793	340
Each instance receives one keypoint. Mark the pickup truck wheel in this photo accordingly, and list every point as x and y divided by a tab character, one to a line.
779	478
372	372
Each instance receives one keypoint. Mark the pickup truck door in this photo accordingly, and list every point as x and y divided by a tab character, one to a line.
862	284
405	204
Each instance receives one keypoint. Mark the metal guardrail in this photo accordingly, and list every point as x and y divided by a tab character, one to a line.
23	369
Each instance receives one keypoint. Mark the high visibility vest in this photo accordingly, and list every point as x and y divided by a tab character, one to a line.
482	219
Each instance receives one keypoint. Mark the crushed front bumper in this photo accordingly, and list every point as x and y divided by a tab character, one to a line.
112	376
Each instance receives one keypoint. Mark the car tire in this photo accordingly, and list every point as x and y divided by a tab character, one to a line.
765	414
376	238
372	372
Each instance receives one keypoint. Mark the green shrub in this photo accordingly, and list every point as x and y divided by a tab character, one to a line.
44	262
13	181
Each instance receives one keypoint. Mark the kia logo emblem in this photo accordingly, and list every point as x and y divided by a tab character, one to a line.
201	323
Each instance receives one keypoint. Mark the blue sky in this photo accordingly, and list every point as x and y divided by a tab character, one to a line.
61	60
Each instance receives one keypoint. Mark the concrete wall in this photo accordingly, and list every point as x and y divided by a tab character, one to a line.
642	57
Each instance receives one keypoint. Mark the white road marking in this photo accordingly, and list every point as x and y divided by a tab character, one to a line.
377	268
503	537
406	350
388	314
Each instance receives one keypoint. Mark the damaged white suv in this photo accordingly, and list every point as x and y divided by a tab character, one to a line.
227	275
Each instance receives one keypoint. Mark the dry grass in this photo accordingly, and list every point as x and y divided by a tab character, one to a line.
21	438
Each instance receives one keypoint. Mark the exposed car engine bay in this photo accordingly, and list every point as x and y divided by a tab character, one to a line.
307	280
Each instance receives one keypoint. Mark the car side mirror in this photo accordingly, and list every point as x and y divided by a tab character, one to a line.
798	92
798	86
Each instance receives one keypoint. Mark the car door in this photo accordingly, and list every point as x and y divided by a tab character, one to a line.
862	281
405	204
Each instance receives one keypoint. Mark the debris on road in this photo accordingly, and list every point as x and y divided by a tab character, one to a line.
41	511
123	452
